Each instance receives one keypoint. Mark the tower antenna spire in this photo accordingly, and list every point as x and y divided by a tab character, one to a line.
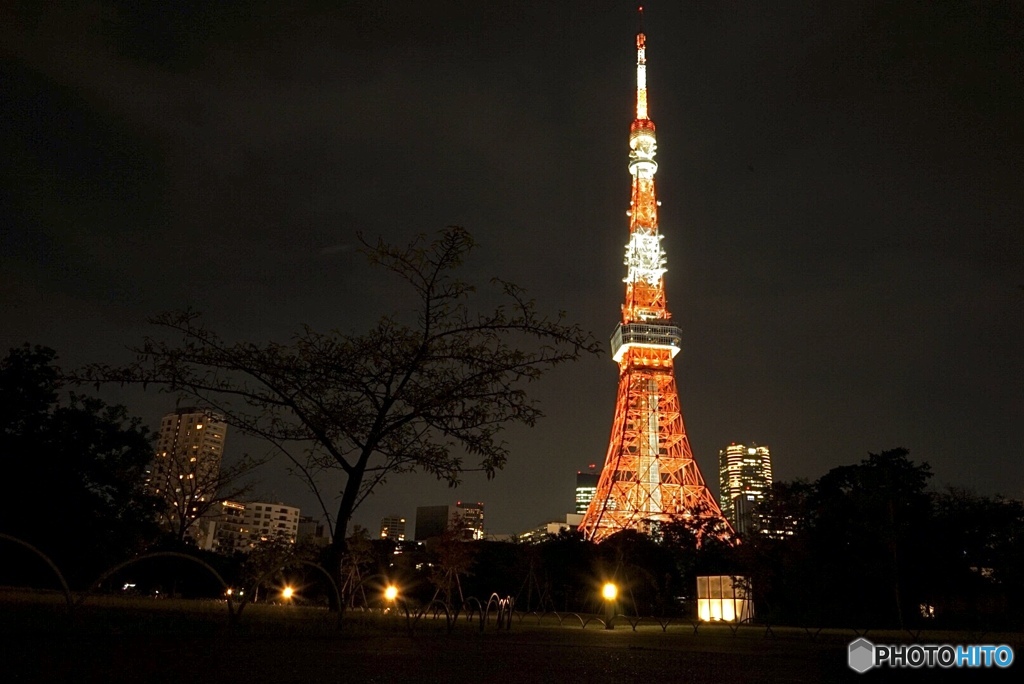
641	67
649	475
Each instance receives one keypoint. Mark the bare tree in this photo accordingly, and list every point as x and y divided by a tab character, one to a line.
420	392
454	559
357	562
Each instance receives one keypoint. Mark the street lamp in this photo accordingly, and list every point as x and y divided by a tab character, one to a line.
287	593
609	591
391	592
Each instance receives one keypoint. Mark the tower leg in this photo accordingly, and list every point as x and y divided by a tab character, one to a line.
649	474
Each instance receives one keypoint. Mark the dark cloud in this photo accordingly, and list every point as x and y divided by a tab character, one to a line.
842	196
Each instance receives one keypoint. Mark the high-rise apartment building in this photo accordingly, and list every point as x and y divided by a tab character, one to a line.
744	475
586	486
185	470
266	521
392	527
225	530
466	518
239	527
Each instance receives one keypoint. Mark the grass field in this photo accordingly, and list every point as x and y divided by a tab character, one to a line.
146	640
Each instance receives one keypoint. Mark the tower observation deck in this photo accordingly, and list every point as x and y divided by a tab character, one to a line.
649	473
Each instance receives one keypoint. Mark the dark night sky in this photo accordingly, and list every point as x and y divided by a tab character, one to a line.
842	188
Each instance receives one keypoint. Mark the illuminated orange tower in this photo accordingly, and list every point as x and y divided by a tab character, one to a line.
649	473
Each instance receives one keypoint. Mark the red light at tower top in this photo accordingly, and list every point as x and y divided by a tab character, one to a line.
649	473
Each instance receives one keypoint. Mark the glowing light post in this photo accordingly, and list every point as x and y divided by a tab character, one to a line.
649	474
395	601
609	592
391	598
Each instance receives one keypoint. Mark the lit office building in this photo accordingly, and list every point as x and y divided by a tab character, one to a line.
392	527
586	487
744	475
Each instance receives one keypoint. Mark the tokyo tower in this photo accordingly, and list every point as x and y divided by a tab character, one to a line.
649	473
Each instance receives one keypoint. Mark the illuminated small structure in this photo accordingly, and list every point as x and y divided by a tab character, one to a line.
649	475
609	591
724	598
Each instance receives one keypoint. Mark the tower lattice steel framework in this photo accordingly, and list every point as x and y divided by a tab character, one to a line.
649	473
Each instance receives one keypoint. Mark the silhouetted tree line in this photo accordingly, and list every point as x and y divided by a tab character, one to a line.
871	544
74	467
867	544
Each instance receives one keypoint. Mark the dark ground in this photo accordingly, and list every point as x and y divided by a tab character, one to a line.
158	641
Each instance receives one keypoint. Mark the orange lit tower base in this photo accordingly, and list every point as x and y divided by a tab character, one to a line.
649	473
